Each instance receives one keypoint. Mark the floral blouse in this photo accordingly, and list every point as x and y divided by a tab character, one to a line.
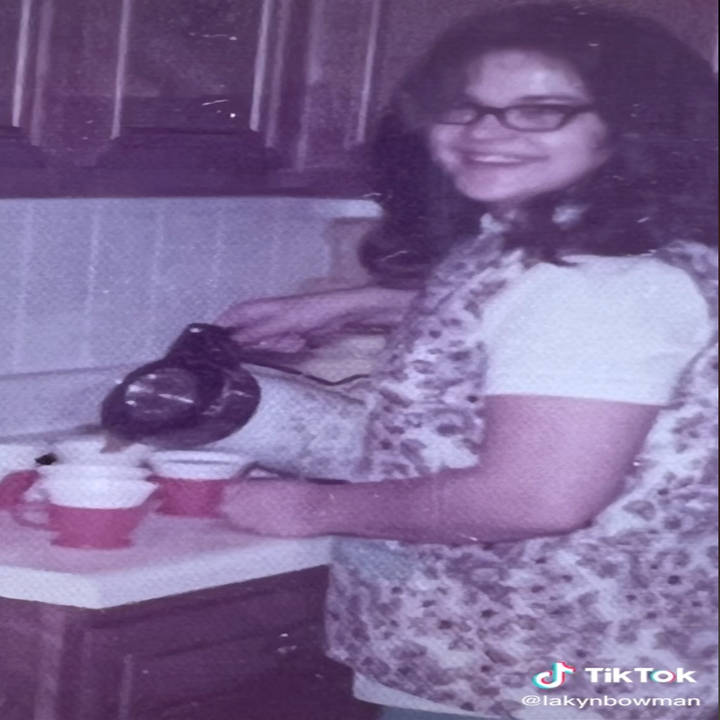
469	626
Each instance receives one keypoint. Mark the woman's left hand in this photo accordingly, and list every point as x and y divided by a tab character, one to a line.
277	508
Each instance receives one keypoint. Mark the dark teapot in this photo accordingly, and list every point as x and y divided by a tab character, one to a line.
199	393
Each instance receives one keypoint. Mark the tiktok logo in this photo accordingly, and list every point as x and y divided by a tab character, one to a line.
553	678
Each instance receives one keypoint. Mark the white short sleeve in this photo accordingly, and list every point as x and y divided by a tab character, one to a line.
620	329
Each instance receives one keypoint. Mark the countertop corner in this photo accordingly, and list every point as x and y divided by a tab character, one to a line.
170	556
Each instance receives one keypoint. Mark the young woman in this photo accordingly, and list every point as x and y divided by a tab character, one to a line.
538	485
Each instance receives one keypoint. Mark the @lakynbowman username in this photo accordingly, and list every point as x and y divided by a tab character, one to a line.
566	701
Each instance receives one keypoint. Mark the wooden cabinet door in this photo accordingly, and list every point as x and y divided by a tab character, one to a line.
20	164
118	65
337	82
243	652
291	680
190	65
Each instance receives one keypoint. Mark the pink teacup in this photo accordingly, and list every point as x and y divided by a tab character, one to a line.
18	469
89	515
190	498
192	483
15	485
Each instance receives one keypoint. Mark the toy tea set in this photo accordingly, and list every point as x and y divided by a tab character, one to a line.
157	452
92	499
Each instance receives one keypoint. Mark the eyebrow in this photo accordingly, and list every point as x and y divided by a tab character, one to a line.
542	98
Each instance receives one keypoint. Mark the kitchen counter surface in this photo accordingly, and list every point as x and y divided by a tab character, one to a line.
170	556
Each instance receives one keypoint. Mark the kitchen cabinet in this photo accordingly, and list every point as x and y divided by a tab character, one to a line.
247	651
198	97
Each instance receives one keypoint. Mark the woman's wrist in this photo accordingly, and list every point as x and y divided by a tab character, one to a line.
326	508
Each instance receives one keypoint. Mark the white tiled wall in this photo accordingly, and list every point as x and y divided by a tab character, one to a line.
90	283
94	283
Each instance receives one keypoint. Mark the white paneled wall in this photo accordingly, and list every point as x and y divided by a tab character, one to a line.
91	283
95	283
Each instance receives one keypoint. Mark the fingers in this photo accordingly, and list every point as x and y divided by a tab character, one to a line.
282	324
245	314
276	343
253	323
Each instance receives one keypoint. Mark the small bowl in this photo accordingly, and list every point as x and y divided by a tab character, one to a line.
198	465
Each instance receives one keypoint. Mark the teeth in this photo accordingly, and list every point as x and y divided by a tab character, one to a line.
494	159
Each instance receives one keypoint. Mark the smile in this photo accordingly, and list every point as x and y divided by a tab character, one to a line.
495	159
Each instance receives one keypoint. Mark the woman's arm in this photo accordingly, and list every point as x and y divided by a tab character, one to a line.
549	466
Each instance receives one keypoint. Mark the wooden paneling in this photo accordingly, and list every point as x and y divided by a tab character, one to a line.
339	76
79	56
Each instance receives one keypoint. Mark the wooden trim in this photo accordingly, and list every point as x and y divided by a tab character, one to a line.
313	74
20	85
277	77
42	69
262	57
369	76
121	68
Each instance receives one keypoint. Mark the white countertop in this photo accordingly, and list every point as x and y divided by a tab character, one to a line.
170	556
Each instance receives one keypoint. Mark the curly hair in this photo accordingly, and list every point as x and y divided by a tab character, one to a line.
657	96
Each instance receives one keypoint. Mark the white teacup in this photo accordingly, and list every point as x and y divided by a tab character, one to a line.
91	450
83	474
98	492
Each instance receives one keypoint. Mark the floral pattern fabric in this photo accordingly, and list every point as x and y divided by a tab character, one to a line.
468	626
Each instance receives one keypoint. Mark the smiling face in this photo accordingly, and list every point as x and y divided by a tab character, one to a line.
504	167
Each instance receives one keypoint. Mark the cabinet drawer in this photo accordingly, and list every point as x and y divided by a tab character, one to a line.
218	669
203	623
210	615
290	680
128	660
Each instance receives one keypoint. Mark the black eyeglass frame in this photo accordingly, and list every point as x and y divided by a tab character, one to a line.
567	113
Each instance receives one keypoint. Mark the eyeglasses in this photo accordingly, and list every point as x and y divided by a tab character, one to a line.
526	118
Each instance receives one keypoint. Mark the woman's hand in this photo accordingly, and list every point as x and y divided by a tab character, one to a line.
285	324
277	508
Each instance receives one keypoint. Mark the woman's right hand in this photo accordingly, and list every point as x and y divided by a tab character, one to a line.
285	324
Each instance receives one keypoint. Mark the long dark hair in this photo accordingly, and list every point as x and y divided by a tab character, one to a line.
658	97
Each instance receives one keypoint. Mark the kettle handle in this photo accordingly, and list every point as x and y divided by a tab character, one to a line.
215	343
250	359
